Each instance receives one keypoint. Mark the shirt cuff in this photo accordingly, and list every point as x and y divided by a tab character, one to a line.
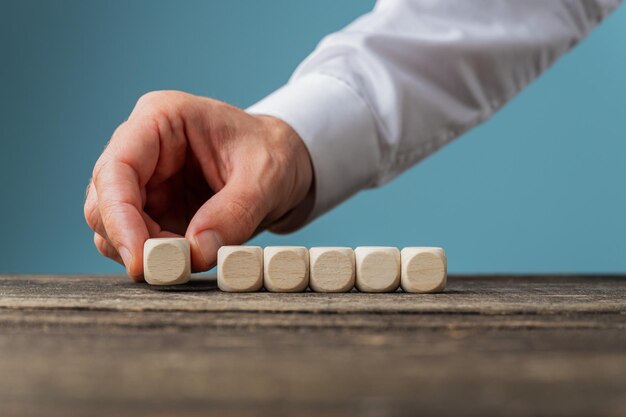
339	132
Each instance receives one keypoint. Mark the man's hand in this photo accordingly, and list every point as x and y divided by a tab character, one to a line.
183	165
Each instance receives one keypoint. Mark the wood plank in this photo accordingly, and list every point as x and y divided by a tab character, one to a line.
468	295
488	346
258	371
113	321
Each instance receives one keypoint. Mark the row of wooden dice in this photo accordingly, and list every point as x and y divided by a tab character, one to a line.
294	268
331	269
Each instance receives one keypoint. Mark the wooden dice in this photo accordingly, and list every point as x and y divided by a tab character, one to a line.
166	261
423	269
370	269
332	269
240	268
286	268
377	268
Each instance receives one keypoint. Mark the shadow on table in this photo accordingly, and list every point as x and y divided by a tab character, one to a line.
196	284
209	283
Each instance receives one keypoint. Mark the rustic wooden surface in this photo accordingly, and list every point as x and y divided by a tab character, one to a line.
496	345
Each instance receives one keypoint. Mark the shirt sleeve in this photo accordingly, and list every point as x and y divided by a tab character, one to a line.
407	78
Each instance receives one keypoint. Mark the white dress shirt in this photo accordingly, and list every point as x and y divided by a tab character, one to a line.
407	78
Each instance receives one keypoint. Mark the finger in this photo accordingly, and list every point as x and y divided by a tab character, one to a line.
95	222
230	217
106	249
150	146
91	212
172	115
125	167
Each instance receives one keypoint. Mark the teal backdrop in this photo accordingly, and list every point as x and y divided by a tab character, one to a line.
539	188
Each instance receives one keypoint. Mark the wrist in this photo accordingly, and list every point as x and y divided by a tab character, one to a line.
296	203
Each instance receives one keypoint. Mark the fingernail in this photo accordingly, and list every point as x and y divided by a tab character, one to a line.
126	256
208	243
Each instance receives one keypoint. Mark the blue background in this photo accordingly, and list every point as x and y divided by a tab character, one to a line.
538	188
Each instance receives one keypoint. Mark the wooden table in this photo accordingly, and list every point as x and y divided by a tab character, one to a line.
104	346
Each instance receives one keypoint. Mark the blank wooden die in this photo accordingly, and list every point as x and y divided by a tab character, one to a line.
166	261
286	268
331	269
424	269
240	268
377	268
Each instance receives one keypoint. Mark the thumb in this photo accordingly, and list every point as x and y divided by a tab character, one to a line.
230	217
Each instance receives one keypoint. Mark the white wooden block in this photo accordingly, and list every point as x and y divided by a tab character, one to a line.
377	268
286	268
424	269
240	268
166	261
332	269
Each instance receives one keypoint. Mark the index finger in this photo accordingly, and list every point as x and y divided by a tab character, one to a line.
124	168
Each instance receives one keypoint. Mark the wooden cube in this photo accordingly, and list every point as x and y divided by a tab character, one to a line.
240	268
332	269
166	261
286	268
377	268
424	269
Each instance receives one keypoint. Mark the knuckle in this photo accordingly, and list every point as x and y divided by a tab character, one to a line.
161	112
104	247
152	97
90	217
98	168
119	128
100	244
160	99
88	206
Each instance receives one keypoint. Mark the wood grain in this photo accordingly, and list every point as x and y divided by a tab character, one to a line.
240	268
332	269
285	268
377	269
166	261
423	270
499	345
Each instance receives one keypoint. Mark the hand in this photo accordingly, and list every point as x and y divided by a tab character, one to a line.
190	166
